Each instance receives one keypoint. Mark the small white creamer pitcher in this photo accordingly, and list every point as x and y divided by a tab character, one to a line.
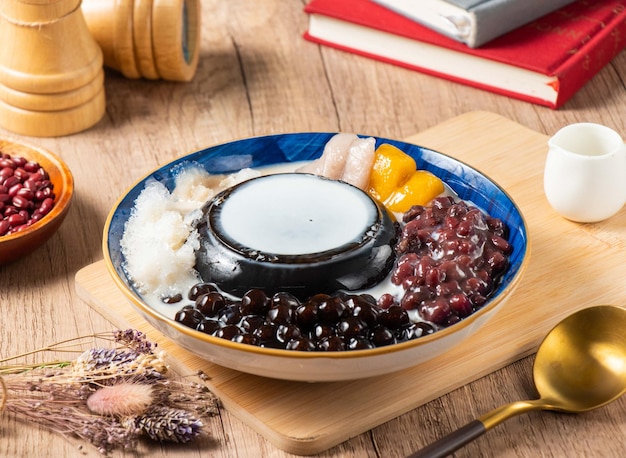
585	172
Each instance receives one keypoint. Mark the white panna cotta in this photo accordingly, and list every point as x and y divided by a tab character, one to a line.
295	215
297	233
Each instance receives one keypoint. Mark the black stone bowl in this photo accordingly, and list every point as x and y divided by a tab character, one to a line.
355	263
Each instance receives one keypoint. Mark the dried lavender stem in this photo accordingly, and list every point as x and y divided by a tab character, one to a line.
22	368
59	346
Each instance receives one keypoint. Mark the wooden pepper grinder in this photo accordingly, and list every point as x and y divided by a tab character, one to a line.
153	39
51	75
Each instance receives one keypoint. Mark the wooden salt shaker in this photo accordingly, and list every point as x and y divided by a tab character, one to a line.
51	76
152	39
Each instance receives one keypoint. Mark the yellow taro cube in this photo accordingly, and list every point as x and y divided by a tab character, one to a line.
392	168
419	189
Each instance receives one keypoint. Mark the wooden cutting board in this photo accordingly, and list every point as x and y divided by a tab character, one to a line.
572	266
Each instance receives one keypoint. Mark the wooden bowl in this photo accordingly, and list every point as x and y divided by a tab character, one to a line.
19	244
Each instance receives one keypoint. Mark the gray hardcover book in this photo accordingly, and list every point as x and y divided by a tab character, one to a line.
473	22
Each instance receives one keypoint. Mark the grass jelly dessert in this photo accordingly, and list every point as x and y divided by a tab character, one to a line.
357	249
297	233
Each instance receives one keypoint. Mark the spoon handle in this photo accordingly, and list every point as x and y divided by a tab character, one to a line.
464	435
453	441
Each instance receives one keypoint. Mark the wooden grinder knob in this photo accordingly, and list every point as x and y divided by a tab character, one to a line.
51	77
153	39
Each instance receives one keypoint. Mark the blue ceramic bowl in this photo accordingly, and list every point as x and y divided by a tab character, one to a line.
467	182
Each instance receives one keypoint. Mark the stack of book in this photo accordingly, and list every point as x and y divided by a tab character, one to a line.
521	49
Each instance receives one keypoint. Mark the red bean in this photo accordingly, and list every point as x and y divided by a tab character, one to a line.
6	163
16	219
19	228
37	176
46	206
11	181
43	193
44	174
458	254
21	202
26	193
461	304
13	190
31	166
21	174
501	244
385	301
31	184
18	161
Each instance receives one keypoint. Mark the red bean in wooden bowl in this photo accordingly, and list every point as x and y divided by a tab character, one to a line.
36	189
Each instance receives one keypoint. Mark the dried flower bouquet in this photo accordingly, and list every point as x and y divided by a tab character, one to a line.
108	397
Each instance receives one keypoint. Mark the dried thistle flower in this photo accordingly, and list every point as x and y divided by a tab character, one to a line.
109	397
165	424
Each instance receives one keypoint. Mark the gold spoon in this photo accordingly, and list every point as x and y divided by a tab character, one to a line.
579	366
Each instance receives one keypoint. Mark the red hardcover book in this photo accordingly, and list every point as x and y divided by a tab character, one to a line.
544	62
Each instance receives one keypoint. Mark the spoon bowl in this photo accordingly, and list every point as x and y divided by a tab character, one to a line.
579	366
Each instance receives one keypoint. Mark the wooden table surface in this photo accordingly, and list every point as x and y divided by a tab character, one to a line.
258	76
